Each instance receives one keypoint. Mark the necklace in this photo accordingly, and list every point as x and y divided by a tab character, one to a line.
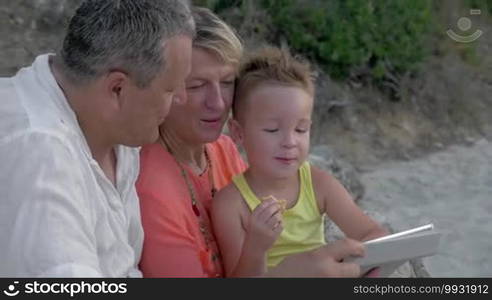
208	168
204	229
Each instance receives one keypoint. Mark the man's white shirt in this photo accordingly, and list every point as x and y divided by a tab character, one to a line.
60	216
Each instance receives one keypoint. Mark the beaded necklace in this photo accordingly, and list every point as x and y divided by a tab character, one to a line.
204	229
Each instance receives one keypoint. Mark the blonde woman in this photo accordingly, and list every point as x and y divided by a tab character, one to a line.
193	159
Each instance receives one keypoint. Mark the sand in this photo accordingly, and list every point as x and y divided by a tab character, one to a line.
453	190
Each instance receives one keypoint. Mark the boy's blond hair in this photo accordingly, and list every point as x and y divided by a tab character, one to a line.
271	65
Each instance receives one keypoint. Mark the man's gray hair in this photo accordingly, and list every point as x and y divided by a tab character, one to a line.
122	35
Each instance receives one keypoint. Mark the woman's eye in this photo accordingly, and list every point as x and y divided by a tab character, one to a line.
194	86
228	82
301	130
270	130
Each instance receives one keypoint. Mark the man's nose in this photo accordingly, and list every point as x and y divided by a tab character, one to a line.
180	97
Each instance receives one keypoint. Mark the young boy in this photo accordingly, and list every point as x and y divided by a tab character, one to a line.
272	119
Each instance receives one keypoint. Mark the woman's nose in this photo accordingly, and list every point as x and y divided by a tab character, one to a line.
215	98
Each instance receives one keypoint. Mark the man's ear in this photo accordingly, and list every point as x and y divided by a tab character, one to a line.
236	131
114	85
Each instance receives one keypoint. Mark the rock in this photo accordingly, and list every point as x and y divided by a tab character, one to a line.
419	268
29	28
323	157
404	271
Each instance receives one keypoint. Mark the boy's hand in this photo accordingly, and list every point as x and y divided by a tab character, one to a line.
338	251
265	224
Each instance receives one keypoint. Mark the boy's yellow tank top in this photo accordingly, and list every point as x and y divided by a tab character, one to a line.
303	224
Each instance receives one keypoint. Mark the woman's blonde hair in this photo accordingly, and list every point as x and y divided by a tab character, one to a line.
215	35
271	65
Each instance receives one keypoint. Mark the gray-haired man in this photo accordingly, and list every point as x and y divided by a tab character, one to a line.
68	206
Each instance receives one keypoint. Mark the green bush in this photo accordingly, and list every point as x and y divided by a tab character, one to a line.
485	5
349	37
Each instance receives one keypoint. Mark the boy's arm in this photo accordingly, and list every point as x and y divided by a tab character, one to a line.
334	200
243	237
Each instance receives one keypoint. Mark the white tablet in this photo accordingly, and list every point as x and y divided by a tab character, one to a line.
389	252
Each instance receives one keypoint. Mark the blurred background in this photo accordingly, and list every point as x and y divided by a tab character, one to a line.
403	113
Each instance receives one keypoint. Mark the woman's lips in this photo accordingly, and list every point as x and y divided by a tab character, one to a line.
286	160
212	122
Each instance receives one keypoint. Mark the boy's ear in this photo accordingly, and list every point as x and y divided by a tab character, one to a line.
236	131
